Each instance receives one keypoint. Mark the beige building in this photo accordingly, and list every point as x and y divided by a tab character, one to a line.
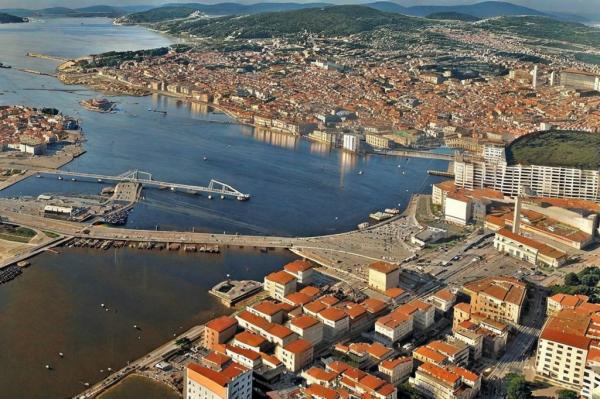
383	276
279	284
232	382
457	209
447	382
559	302
296	355
308	327
498	298
393	327
396	370
442	300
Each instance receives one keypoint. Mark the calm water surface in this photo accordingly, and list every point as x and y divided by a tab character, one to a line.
55	307
297	188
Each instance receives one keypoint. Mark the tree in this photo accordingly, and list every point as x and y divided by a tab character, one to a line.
590	280
567	394
571	279
517	387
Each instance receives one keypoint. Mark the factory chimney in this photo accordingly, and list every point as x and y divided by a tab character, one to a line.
552	78
534	80
517	217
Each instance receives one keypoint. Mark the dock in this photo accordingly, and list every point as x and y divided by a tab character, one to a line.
231	292
441	173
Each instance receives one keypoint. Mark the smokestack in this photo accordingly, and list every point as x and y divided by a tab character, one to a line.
517	217
535	73
597	84
552	78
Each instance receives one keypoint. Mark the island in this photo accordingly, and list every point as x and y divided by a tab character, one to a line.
11	19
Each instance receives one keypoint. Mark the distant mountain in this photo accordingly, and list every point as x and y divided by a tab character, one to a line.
92	11
452	16
11	19
388	6
19	12
327	21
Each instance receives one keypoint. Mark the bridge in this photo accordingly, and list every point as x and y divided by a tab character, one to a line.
214	187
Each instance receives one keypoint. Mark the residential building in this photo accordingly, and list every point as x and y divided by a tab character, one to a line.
295	355
448	382
219	331
558	302
279	284
383	276
442	300
302	270
396	370
232	382
498	298
308	327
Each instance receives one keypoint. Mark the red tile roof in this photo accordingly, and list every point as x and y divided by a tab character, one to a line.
281	277
221	324
383	267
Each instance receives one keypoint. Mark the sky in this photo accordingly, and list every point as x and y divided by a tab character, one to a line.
582	7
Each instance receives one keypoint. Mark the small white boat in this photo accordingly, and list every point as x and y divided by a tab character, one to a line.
222	197
73	179
61	354
60	178
204	158
360	172
210	197
48	367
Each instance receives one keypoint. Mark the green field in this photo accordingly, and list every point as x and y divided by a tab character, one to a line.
17	234
556	148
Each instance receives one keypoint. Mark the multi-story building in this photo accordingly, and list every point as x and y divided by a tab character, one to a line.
295	355
559	302
535	180
335	322
528	250
580	80
448	382
383	276
302	270
564	345
219	331
498	298
308	327
393	327
232	382
279	284
442	300
423	314
396	370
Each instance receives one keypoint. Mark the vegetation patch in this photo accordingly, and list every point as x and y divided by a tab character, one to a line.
17	234
585	283
556	148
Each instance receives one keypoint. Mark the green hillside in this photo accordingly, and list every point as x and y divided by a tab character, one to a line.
545	28
8	19
327	21
556	148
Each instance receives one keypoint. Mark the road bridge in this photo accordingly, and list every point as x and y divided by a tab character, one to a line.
214	187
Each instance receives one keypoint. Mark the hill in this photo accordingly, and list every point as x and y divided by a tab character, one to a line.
327	21
453	16
11	19
486	9
545	28
92	11
182	10
556	148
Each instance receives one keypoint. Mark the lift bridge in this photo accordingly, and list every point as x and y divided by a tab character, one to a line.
214	187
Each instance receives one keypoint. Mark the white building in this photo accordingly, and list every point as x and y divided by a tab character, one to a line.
233	382
351	143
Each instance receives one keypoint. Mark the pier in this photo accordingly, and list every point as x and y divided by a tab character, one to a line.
145	179
417	154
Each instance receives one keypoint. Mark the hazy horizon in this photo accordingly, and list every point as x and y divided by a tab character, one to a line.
589	8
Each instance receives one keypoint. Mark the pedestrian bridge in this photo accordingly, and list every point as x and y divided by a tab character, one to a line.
214	187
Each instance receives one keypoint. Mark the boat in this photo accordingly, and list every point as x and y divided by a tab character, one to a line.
204	158
243	197
210	197
222	197
173	188
73	179
48	367
99	180
61	354
38	176
360	172
60	178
